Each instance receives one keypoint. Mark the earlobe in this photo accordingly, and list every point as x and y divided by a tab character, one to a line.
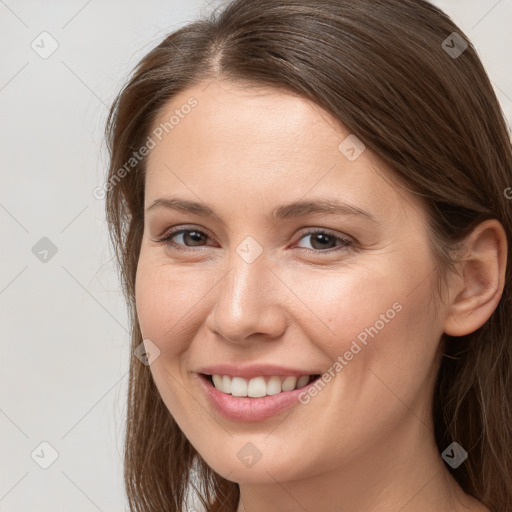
478	289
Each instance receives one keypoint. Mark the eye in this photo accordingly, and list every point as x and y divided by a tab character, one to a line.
322	240
194	237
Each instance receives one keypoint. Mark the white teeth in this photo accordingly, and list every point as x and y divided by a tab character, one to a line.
217	381
289	383
302	381
274	386
238	386
258	386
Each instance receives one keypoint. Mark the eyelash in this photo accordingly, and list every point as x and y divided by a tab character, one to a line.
344	245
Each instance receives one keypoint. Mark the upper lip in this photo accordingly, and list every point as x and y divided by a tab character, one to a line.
253	370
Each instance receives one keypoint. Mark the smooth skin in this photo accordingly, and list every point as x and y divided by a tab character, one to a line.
366	441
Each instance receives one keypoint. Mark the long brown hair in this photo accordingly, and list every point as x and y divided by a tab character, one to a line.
394	74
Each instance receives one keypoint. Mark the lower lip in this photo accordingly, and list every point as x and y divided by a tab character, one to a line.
251	409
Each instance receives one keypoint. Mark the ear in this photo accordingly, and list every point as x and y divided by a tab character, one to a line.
475	293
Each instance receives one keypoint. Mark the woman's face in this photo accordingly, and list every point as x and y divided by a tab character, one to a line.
345	292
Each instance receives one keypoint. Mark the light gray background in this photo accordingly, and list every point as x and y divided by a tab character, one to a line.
63	324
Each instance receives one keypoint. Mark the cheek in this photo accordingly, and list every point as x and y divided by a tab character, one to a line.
369	322
165	300
389	353
150	297
172	305
166	303
354	304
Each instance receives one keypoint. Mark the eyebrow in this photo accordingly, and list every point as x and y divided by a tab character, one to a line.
286	211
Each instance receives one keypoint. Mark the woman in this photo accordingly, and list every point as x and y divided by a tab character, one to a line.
308	203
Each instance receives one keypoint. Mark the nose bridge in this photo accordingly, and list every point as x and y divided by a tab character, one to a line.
246	301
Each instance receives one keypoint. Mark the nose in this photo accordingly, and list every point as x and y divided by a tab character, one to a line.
248	303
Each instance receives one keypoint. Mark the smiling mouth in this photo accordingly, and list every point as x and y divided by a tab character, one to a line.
258	387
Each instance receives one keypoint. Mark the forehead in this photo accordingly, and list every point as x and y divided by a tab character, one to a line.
242	117
261	143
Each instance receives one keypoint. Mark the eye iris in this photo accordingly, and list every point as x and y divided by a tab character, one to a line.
323	238
195	236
